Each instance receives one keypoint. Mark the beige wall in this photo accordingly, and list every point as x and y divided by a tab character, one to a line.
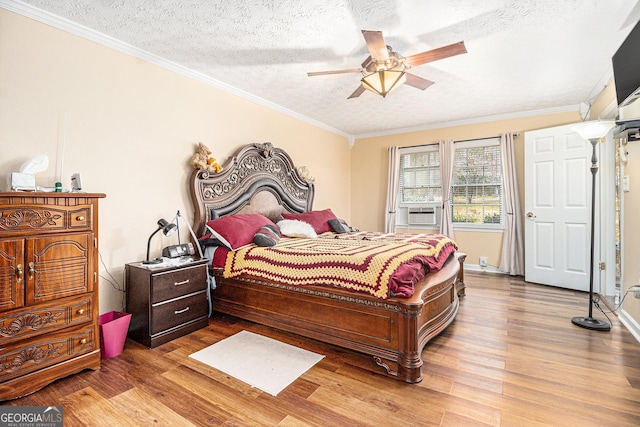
630	241
131	128
369	174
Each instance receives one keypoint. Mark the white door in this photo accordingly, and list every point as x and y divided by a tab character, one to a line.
557	208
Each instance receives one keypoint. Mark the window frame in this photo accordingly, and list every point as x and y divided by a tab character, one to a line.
413	150
485	142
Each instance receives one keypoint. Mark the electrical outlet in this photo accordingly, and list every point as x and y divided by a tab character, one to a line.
484	261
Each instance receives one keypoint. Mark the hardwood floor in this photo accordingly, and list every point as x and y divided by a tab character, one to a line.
511	358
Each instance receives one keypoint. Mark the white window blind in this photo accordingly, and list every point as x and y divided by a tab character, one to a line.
420	177
477	185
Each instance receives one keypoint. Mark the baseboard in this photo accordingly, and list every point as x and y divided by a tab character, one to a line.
630	323
476	267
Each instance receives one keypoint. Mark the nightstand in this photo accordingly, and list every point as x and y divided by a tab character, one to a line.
166	301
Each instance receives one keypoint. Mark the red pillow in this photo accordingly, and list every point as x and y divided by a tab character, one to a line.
319	220
236	231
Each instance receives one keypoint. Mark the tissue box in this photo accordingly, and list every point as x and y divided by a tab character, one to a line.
19	181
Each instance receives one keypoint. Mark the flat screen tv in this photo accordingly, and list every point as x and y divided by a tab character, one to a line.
626	66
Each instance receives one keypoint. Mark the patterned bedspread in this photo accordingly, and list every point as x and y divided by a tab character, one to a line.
379	264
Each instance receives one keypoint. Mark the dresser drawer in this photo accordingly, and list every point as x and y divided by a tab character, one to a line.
30	219
24	357
176	283
175	312
45	318
79	218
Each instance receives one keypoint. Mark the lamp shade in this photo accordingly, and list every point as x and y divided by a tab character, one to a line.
384	81
593	130
168	228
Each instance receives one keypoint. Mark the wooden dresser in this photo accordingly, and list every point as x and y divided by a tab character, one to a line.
48	288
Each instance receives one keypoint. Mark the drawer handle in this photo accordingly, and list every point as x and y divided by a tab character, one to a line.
19	273
184	282
32	270
80	312
83	341
181	311
80	218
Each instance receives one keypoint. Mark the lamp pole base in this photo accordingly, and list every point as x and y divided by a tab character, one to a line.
591	323
153	261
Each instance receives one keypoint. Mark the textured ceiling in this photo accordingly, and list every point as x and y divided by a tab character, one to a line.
523	55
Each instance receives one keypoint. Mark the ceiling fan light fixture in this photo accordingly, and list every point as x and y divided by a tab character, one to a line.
384	81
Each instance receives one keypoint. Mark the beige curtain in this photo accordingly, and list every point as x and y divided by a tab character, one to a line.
512	261
392	190
447	152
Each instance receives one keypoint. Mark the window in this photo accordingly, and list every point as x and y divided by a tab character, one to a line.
477	183
420	176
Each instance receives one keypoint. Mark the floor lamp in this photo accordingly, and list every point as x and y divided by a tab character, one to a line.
594	132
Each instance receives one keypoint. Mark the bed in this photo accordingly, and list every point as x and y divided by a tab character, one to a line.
262	179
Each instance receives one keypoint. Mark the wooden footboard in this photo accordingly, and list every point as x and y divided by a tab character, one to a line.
393	331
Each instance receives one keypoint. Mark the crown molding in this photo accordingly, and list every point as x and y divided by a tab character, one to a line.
64	24
476	120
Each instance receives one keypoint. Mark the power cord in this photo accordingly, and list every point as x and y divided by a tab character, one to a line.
596	301
596	304
113	281
210	279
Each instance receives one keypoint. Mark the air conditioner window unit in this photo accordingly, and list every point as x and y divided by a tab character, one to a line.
422	216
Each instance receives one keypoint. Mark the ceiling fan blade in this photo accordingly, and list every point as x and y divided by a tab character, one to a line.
356	93
417	82
435	54
376	45
324	73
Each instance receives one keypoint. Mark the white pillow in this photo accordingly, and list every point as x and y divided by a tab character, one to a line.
296	228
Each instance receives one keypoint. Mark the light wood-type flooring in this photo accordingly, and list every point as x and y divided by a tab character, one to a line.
510	358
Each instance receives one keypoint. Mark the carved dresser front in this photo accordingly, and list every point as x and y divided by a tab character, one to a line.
48	288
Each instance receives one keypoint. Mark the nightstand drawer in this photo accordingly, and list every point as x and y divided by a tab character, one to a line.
175	312
176	283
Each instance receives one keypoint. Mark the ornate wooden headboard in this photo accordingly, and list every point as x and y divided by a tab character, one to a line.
259	178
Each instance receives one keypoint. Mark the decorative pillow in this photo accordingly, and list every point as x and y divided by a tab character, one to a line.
319	220
340	226
295	228
236	231
268	235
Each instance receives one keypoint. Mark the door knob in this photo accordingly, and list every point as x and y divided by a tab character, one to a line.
530	215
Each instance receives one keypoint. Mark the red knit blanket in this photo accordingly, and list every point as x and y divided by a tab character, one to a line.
380	265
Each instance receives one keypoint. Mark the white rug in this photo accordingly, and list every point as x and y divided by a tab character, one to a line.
261	362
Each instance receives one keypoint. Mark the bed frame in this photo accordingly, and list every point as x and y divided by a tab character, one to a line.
262	179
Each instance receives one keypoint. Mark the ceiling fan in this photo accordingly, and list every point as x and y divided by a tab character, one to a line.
384	69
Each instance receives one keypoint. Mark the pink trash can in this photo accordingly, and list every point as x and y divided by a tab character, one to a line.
113	333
